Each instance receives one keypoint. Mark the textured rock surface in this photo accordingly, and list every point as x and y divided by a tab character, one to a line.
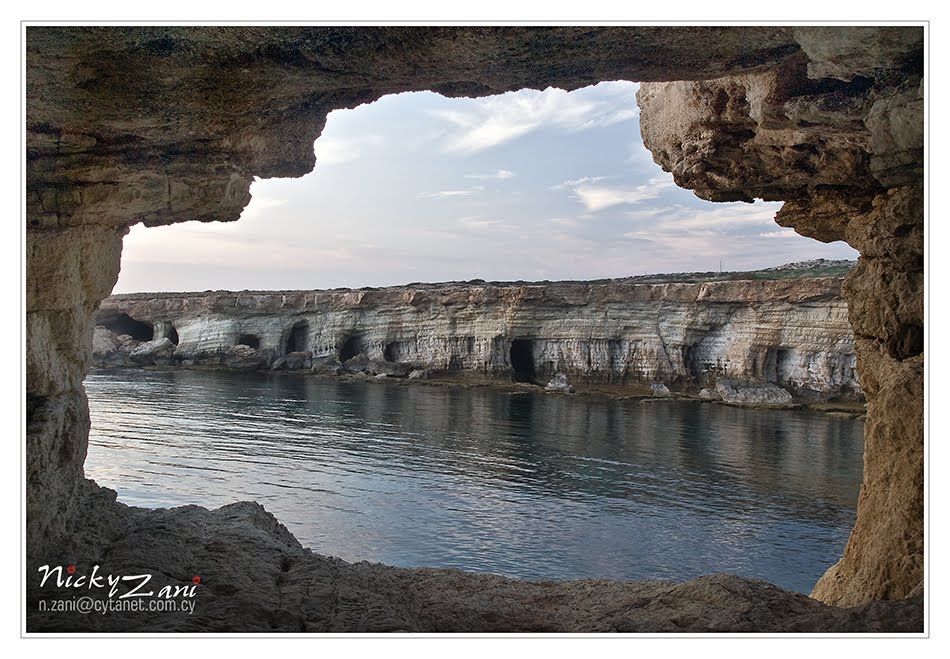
731	391
847	156
269	583
792	332
168	124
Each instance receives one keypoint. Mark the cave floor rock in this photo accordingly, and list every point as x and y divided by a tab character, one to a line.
256	577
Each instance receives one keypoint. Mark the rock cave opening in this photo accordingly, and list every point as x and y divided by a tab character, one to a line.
297	337
250	341
124	324
167	330
778	365
390	352
351	347
521	355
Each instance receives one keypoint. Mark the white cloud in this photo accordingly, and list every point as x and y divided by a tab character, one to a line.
478	224
259	206
573	183
596	198
569	222
441	194
781	233
221	244
500	175
333	150
496	120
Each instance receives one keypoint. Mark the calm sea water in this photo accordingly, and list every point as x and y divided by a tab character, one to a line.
522	484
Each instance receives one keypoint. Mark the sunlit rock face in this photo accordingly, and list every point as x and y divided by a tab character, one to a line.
794	333
165	124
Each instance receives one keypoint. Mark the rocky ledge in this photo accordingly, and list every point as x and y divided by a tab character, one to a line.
253	576
744	341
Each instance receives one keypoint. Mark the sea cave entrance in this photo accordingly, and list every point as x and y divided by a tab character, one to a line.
122	323
521	355
297	338
351	348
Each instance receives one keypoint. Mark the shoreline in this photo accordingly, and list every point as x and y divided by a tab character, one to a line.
855	409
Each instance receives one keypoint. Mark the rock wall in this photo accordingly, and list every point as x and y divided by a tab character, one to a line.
164	124
836	132
794	332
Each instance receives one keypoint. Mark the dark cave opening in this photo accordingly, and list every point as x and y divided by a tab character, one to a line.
522	360
389	352
297	338
351	348
167	330
778	364
123	323
249	340
784	361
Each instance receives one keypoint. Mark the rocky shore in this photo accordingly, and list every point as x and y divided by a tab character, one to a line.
743	341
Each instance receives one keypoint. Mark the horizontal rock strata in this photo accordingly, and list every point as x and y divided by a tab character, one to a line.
793	333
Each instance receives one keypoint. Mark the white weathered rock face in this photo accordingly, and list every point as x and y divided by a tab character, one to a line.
793	333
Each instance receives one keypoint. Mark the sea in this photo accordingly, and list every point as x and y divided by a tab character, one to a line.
514	482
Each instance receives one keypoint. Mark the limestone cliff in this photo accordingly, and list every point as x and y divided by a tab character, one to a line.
792	332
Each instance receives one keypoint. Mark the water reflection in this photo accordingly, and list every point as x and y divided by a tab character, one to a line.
523	484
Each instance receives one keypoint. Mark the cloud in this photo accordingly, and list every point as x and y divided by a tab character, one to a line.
333	150
781	233
441	194
478	224
500	175
259	206
222	244
496	120
596	198
569	222
573	183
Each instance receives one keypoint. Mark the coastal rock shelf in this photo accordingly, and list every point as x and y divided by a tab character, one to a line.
791	332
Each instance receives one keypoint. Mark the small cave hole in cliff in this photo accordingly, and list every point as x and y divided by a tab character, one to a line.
250	341
351	348
389	352
122	323
169	332
778	366
522	360
297	338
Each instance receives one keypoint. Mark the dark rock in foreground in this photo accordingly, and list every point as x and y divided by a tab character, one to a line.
255	577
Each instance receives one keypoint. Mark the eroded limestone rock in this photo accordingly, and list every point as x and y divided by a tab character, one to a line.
559	383
794	332
846	155
746	393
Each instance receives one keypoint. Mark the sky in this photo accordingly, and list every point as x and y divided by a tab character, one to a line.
415	187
